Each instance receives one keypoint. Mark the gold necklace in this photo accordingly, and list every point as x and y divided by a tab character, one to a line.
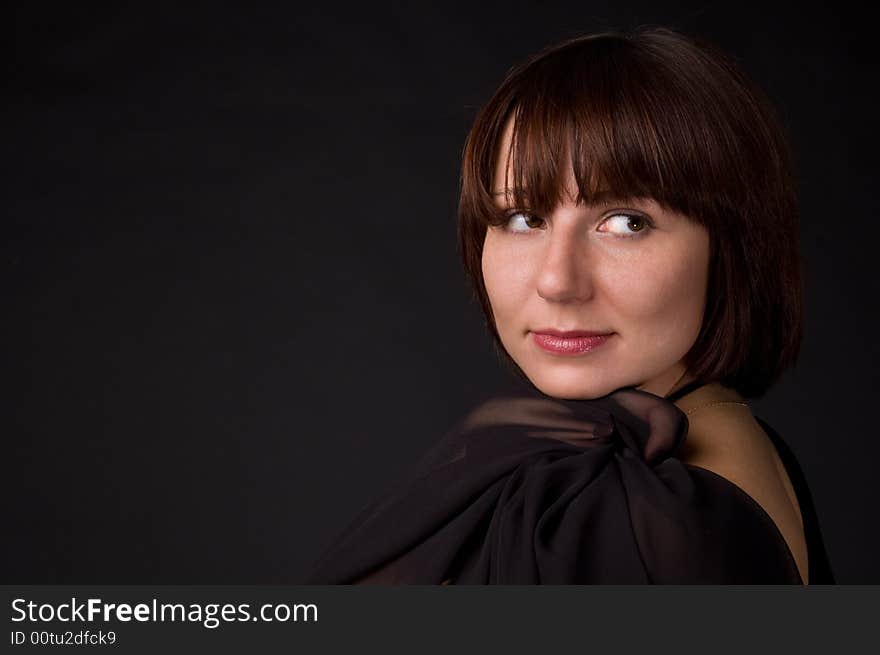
717	402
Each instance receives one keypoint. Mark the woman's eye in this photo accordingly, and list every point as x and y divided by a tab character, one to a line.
522	222
627	225
621	224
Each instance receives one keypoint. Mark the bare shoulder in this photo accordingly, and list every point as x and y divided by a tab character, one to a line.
727	440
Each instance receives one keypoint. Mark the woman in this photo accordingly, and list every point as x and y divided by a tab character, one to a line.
629	222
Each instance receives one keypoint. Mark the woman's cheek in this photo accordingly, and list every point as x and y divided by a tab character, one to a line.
506	276
653	288
497	283
668	302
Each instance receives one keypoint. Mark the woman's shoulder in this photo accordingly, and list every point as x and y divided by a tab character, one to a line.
531	489
726	439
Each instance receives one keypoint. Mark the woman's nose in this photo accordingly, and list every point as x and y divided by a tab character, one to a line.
564	271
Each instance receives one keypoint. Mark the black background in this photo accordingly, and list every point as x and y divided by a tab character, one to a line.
234	309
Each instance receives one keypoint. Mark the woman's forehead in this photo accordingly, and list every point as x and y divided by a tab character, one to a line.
545	159
503	160
569	191
504	182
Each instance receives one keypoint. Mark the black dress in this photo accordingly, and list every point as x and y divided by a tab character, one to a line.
530	489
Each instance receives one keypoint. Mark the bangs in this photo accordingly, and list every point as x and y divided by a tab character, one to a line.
609	115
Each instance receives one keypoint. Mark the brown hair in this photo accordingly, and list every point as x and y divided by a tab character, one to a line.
653	113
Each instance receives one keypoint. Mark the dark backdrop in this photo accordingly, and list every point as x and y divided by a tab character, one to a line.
234	306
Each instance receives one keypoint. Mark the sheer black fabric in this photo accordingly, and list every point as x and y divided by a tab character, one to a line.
529	489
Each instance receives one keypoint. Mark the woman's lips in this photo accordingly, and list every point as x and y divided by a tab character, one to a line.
569	345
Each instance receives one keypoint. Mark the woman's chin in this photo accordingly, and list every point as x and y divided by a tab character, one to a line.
572	390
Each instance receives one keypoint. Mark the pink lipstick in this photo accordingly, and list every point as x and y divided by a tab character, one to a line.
574	342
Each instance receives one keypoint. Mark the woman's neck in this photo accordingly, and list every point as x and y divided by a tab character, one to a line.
707	393
672	379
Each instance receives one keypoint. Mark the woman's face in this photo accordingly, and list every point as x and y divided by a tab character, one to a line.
628	269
